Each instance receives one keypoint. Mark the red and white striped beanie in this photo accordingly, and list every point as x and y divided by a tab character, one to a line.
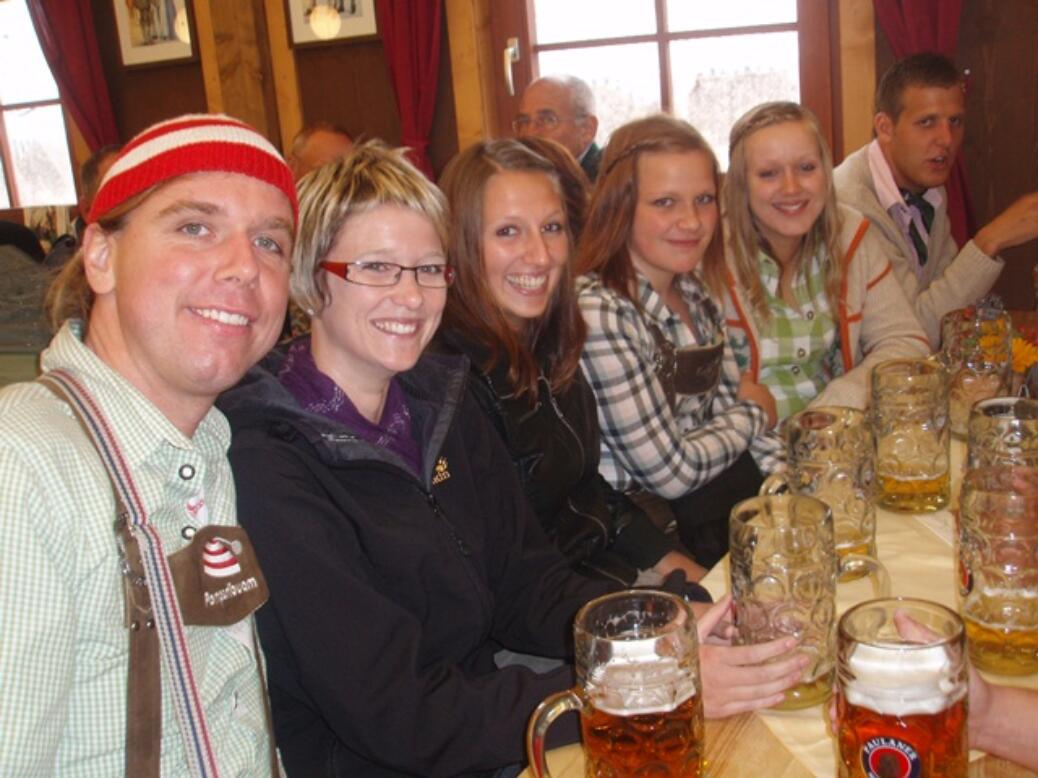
194	143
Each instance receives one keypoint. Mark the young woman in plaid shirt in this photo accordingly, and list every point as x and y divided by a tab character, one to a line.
678	421
810	298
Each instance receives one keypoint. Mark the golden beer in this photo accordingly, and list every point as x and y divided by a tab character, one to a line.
901	699
638	690
808	693
667	744
998	568
852	572
914	494
874	745
1000	649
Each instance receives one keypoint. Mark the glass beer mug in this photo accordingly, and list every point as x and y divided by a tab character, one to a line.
831	456
638	689
998	568
1003	431
909	414
783	566
901	691
975	350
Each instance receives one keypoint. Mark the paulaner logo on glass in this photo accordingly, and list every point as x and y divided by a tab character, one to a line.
887	757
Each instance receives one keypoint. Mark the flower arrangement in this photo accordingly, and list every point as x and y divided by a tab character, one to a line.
1025	349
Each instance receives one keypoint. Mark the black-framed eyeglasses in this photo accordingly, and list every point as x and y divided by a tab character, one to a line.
431	276
542	120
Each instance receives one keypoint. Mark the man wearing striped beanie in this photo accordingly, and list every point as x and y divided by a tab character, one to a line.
180	285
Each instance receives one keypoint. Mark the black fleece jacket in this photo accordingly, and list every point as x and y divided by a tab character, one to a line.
390	591
555	443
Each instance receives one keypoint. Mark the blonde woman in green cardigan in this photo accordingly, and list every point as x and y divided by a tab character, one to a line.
811	303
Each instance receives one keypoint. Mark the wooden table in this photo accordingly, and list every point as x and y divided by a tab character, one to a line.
918	553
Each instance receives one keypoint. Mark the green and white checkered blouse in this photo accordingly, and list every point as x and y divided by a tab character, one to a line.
798	344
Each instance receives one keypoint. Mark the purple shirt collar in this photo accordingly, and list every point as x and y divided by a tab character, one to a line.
317	393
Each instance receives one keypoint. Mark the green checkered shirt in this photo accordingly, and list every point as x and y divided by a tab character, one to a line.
798	344
63	644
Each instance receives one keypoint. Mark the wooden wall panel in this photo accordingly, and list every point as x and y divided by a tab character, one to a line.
997	43
143	96
350	85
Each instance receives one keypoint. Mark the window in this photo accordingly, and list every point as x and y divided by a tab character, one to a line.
707	61
35	165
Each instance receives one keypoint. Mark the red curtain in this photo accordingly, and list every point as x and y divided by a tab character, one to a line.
411	38
66	32
912	26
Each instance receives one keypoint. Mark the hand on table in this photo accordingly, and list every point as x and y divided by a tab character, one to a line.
759	394
675	560
734	678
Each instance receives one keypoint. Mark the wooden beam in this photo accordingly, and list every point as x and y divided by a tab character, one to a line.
472	72
206	47
286	80
857	72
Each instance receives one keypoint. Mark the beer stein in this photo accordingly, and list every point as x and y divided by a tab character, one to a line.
976	352
830	455
638	689
1003	431
998	568
909	414
901	690
783	566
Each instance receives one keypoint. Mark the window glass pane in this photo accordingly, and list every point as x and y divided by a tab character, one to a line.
580	20
5	201
625	80
716	80
42	169
684	15
24	73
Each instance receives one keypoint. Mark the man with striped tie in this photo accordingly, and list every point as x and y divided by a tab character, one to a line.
126	585
898	180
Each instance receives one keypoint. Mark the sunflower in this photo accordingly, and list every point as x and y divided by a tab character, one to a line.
1025	355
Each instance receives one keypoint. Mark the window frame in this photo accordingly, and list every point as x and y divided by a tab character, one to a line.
7	154
815	29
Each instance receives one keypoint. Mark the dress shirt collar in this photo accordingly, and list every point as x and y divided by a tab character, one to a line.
886	189
139	426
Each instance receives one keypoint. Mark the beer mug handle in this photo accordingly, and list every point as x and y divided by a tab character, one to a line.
876	571
536	731
776	483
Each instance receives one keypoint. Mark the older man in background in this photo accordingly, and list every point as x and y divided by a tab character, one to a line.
562	108
317	144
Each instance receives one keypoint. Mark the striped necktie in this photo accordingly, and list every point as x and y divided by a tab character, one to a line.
922	220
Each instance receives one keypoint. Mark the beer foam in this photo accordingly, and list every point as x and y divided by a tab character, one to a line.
914	681
639	682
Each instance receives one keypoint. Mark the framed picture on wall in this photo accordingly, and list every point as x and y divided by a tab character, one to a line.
154	31
313	22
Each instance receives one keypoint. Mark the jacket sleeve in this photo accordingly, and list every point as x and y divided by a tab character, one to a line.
888	329
331	630
638	540
637	423
964	275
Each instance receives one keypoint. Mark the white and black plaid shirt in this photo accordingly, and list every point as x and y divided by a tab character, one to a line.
644	442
